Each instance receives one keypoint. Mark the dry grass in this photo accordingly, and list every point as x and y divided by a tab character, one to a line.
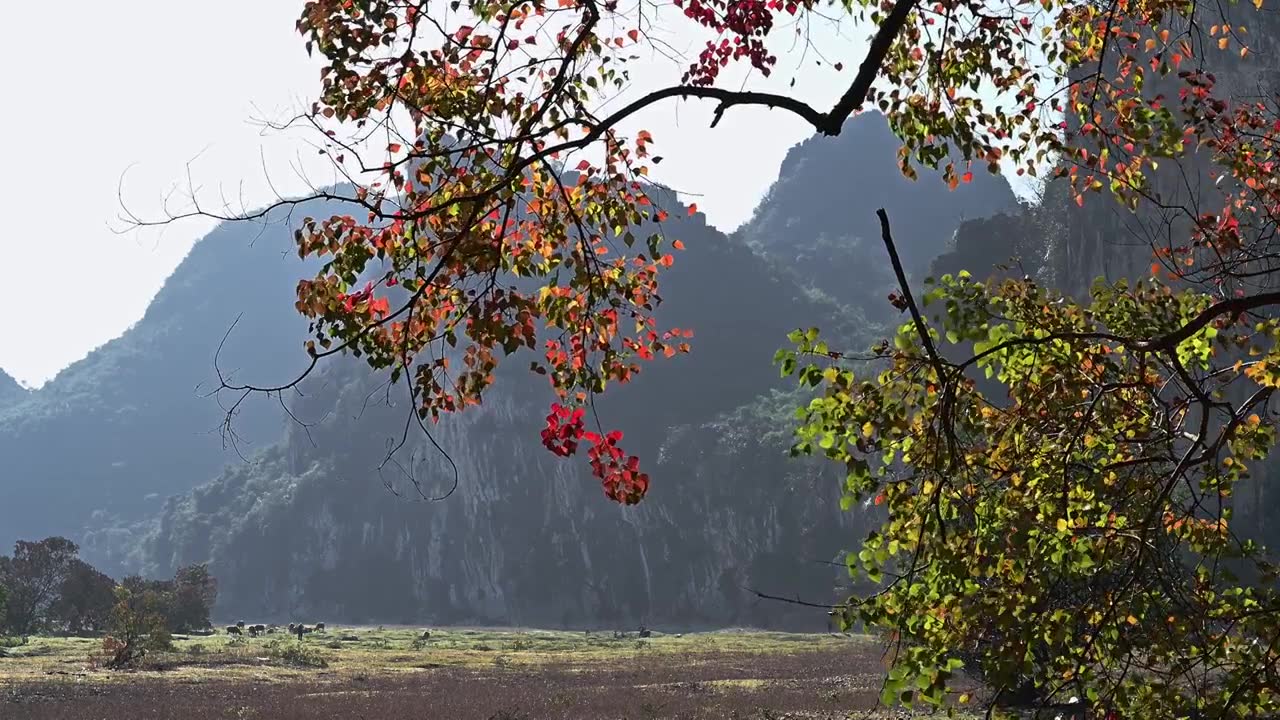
459	673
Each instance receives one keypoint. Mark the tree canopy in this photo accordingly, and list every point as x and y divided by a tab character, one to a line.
1068	535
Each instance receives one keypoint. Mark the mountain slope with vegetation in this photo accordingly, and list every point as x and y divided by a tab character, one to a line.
526	538
110	436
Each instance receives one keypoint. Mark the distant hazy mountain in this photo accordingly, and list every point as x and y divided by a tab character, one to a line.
11	392
113	434
819	218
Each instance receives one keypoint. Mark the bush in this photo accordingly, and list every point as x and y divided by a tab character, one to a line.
296	653
137	626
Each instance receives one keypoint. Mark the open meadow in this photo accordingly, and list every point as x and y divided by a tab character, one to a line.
349	673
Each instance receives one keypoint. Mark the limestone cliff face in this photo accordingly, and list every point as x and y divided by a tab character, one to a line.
525	538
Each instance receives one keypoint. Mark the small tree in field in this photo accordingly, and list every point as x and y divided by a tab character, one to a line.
1071	536
137	626
194	593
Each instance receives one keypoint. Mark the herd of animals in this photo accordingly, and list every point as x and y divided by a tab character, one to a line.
301	629
298	629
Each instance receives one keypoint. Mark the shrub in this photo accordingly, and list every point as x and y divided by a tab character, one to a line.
296	653
137	626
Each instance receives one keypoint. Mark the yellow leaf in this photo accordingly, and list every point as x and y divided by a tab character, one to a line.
964	698
1223	42
1131	620
1062	525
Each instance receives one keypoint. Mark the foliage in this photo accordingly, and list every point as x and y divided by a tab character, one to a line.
53	590
1074	536
497	208
183	602
34	576
138	626
84	600
296	652
194	593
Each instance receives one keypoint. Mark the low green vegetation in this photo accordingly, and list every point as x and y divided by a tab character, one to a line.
368	651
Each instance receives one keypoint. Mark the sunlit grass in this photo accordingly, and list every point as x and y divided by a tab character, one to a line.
347	651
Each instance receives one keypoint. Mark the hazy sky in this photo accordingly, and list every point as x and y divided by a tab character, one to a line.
138	89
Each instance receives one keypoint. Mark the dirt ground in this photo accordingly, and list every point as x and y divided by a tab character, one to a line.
458	675
810	685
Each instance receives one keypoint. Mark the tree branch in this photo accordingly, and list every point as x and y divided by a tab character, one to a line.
870	67
921	329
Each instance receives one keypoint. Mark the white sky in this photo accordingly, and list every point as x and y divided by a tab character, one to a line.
94	89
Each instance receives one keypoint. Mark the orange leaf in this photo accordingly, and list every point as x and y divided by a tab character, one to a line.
678	245
693	209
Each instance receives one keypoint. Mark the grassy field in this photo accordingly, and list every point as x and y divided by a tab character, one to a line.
486	674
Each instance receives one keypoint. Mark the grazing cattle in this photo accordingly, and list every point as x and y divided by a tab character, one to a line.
644	632
319	627
233	629
426	634
240	624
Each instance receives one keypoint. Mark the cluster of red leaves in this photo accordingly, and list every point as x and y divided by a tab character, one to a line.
747	22
1131	118
620	473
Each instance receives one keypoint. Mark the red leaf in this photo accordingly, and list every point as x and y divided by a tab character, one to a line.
583	166
393	148
693	209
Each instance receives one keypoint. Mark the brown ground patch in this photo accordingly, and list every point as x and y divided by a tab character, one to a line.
817	684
